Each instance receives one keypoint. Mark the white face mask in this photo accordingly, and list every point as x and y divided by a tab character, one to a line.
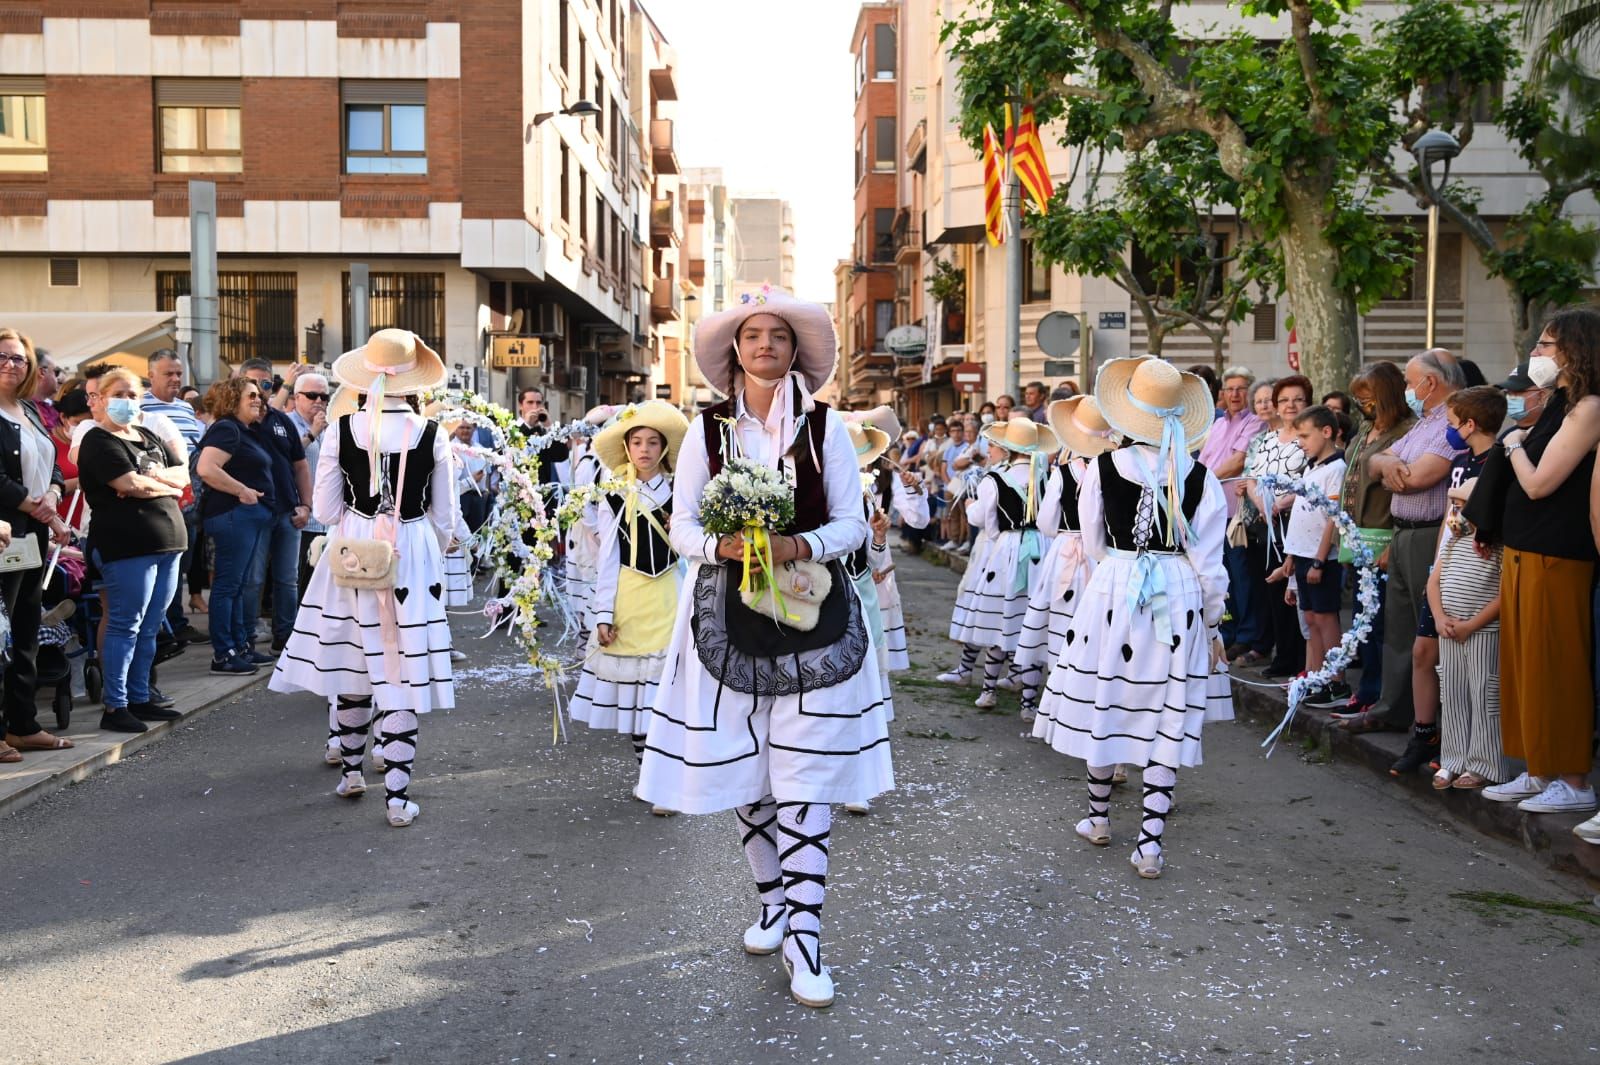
1542	371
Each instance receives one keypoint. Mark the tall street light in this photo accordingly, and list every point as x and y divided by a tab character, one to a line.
581	108
1434	146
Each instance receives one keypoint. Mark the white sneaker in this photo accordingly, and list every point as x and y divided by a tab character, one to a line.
1096	830
986	699
1149	865
809	988
954	676
332	756
1524	787
351	785
402	814
1559	798
766	939
859	808
1588	831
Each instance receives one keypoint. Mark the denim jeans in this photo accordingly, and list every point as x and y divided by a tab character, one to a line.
240	539
137	592
1371	652
175	613
1243	606
279	561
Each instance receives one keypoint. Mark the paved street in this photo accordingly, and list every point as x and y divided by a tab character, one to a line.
209	900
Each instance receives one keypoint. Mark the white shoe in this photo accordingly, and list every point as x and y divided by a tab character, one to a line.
963	549
402	814
1149	865
1009	683
809	988
1525	786
986	699
457	656
332	756
1119	775
1559	798
1096	830
662	811
861	808
954	676
351	785
378	764
759	939
1588	831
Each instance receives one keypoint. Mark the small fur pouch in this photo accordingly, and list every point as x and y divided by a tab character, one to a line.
803	584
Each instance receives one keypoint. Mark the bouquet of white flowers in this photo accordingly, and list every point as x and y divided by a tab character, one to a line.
753	500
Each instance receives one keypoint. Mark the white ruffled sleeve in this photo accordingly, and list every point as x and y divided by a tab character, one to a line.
1210	525
912	505
1049	520
846	528
689	538
445	508
983	507
327	490
608	564
1092	513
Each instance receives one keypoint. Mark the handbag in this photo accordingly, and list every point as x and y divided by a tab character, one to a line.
1238	534
21	554
370	562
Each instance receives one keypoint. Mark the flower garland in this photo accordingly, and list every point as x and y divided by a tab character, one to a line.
1337	658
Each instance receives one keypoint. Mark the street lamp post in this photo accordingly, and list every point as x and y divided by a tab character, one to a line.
1434	146
581	108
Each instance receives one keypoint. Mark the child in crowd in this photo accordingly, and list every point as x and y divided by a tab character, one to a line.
1311	545
1464	591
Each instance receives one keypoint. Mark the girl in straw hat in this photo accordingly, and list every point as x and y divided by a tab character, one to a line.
383	471
993	596
1058	587
637	579
1133	679
771	721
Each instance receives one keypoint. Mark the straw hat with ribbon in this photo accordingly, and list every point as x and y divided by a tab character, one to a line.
868	440
1081	426
716	349
611	443
1149	400
345	401
1024	436
393	362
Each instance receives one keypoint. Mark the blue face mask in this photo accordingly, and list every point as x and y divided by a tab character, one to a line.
1413	402
1453	437
1516	408
122	410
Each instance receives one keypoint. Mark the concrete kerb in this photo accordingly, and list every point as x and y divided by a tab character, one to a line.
20	787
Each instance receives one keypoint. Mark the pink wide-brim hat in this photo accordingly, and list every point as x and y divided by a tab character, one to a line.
716	349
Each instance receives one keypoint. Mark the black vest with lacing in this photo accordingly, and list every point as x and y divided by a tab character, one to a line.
414	496
1011	508
656	555
1123	498
1070	522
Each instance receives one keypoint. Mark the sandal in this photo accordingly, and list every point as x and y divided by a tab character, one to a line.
1364	721
39	741
9	753
1443	780
1249	660
1469	782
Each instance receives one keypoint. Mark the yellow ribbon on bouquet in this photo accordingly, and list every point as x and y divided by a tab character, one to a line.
758	549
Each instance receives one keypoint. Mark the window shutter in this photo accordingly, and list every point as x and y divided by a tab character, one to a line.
384	92
197	92
1264	320
63	273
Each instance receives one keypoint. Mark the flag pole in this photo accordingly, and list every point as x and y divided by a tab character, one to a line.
1013	209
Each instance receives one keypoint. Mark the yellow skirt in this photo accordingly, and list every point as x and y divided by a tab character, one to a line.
646	609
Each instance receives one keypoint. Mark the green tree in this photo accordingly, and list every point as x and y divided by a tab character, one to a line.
1293	124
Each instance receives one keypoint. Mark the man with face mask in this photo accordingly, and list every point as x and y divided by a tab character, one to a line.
1527	390
1415	469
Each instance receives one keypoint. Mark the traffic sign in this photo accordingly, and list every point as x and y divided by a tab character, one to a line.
1058	334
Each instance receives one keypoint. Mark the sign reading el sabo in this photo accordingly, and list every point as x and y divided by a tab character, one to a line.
515	351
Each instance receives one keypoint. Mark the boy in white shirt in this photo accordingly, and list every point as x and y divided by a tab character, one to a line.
1311	545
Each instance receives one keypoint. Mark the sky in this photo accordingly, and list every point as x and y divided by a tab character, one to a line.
765	93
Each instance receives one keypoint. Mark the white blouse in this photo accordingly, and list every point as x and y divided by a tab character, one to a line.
400	429
38	455
608	567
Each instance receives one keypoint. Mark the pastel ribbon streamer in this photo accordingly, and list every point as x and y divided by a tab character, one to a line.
1147	590
1173	458
1028	554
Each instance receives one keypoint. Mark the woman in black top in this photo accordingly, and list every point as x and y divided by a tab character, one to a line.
30	488
136	537
1546	576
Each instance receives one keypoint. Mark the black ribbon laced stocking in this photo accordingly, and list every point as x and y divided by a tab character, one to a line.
1159	780
399	751
804	858
638	749
1101	779
994	663
758	836
353	720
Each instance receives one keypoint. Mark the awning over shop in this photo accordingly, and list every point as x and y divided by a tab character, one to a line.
74	338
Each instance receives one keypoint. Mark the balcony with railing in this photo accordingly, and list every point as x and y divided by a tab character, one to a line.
666	300
663	155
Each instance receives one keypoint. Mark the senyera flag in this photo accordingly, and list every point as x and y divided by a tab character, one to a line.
1028	157
992	213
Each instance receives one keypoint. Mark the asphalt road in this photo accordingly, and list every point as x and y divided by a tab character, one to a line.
209	900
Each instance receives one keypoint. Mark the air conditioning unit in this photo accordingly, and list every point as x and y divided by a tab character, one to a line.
546	320
578	377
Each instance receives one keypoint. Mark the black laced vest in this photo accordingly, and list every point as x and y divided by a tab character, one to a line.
414	496
1134	520
1011	508
656	555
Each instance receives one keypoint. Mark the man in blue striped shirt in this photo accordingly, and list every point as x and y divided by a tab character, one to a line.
166	380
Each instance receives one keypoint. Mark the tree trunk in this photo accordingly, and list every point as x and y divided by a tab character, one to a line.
1527	319
1325	319
1156	335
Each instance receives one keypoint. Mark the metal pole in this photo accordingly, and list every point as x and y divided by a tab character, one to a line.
360	285
205	362
1433	265
1013	205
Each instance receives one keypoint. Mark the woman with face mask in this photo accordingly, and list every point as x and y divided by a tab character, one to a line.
133	483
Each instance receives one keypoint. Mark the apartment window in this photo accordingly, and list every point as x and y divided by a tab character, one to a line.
583	68
564	34
385	127
1035	276
882	322
403	301
22	139
199	126
583	206
566	184
256	314
883	135
883	52
1264	322
861	69
883	235
861	157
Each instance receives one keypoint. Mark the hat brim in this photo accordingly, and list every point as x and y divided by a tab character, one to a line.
1073	438
884	419
611	443
1047	444
1116	404
816	345
877	443
429	372
343	403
